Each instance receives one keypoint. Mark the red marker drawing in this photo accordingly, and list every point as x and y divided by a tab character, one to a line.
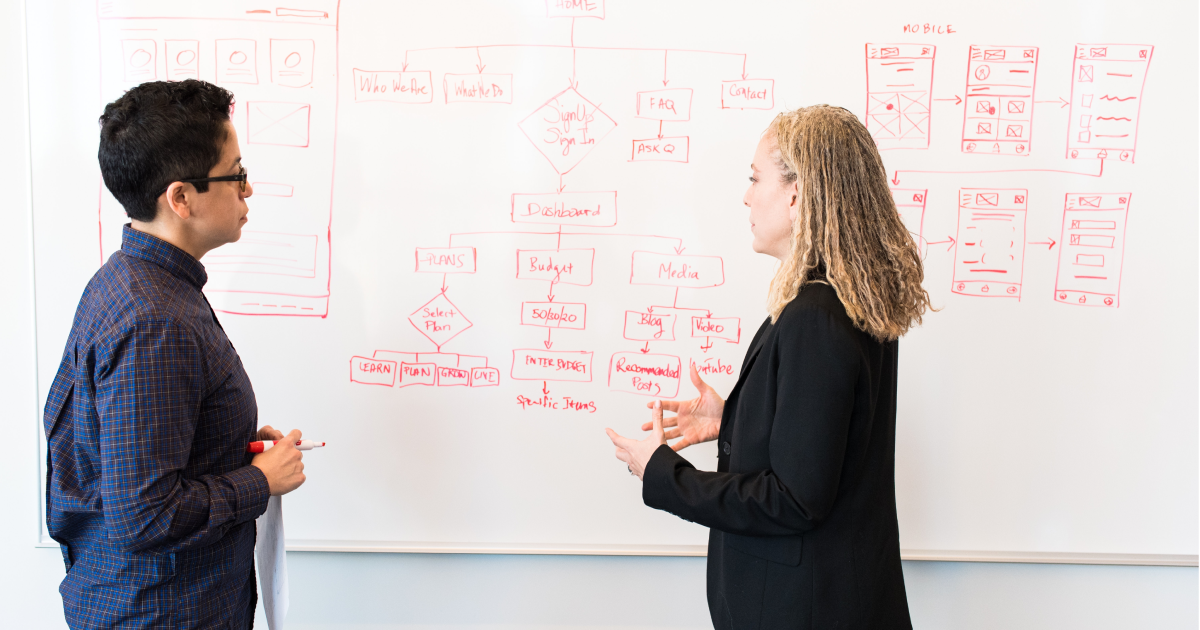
301	445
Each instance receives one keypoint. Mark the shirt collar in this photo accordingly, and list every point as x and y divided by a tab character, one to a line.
155	250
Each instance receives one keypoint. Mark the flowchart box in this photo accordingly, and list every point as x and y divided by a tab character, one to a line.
566	266
649	326
445	259
554	315
672	149
688	272
671	105
748	94
485	377
552	365
373	371
477	88
595	209
393	86
727	328
654	375
418	374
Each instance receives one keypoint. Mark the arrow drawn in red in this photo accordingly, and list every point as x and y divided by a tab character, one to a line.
1060	99
956	99
679	249
660	129
545	389
951	241
479	66
646	349
1051	242
896	178
707	344
665	80
443	283
561	185
743	67
547	342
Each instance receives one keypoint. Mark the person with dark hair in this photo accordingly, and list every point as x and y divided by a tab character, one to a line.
150	491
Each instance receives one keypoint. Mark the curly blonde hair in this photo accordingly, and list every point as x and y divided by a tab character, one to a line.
847	232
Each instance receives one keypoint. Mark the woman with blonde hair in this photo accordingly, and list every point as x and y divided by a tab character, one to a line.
802	508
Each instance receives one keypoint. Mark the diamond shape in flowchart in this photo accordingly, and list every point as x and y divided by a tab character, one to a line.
440	320
566	129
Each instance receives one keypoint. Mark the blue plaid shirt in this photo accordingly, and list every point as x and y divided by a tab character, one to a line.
149	488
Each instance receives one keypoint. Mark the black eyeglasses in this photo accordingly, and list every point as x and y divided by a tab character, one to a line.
242	177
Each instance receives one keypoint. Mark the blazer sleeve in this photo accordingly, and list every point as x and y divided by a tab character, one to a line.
818	368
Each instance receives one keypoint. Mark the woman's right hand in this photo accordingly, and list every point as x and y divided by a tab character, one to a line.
696	420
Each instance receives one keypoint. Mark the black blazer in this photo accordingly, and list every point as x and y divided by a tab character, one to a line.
802	509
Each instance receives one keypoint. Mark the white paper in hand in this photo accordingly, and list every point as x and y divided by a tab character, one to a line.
272	564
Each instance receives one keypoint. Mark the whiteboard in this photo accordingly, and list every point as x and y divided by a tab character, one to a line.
482	232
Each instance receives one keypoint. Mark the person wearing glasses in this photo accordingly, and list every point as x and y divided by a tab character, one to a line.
802	506
151	493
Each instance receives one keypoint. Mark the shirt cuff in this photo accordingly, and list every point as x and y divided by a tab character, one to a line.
657	479
251	493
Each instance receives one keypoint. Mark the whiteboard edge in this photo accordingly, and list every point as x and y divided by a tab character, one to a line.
913	555
41	535
917	555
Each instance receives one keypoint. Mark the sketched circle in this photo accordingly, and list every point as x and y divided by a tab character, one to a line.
961	286
185	57
1062	296
1108	301
982	72
1020	148
1012	290
1074	154
1124	155
292	60
970	147
237	58
139	58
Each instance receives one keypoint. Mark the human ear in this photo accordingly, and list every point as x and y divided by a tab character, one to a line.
794	205
177	200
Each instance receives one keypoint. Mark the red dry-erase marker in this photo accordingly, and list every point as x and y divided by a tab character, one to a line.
301	445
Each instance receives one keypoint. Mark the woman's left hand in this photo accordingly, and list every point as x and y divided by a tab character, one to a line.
636	453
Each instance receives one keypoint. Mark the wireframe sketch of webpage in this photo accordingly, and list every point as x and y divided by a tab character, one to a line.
999	101
281	65
899	94
1106	100
1093	249
989	255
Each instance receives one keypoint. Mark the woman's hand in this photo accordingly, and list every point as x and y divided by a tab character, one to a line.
637	453
696	420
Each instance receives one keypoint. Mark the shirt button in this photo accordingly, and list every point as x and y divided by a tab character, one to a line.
725	447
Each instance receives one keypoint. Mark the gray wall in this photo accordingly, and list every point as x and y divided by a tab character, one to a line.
459	591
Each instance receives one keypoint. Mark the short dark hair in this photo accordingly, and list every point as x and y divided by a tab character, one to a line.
157	133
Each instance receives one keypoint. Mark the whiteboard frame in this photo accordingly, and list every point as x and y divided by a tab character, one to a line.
699	551
42	539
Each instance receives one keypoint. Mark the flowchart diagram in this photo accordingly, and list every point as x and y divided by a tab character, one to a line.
564	130
282	65
987	250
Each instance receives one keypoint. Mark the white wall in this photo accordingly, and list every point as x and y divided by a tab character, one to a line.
449	591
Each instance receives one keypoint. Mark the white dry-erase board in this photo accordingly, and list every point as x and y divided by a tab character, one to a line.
484	231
